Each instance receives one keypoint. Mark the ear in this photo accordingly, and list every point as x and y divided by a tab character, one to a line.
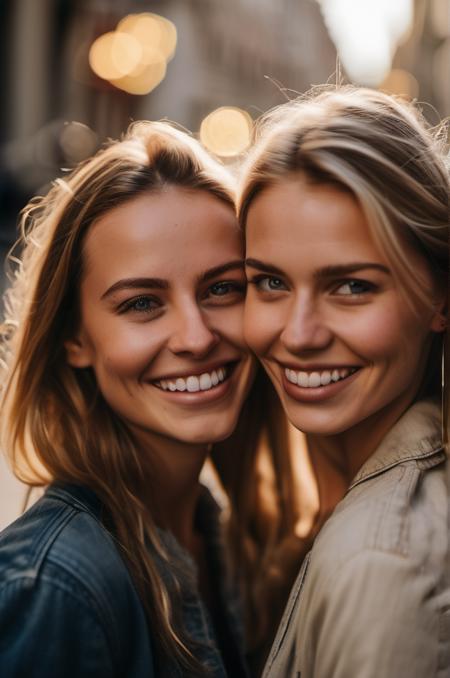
78	352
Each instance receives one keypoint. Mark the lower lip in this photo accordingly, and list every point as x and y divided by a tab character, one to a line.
201	397
317	395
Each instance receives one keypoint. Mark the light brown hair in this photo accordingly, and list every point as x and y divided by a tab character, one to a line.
381	150
56	426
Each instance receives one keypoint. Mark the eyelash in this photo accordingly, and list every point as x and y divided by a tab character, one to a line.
369	287
257	280
128	305
233	286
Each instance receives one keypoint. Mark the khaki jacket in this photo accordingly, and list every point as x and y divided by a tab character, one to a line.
372	599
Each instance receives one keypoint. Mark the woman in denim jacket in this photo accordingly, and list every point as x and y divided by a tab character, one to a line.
123	361
345	207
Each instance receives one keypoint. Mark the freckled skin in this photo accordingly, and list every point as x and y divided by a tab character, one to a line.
301	229
175	235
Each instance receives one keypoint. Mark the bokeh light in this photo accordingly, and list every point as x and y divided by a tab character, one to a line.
77	141
134	57
114	55
227	131
156	35
401	82
144	80
366	35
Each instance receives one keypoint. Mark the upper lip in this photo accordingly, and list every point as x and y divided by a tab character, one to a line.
195	371
316	367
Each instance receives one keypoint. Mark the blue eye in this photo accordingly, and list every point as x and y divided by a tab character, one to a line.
224	288
219	289
141	304
354	288
269	283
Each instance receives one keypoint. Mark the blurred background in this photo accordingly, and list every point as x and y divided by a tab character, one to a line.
76	72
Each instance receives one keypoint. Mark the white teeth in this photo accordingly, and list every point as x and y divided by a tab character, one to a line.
293	376
180	384
325	378
193	384
303	379
315	379
204	382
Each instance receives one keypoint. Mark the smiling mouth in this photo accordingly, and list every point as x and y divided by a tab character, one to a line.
194	383
316	379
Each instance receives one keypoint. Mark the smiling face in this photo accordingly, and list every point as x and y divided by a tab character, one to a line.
161	308
324	312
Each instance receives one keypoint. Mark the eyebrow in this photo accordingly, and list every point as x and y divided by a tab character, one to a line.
238	264
325	272
136	283
161	284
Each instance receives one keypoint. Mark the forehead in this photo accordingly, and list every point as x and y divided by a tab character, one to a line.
153	232
300	220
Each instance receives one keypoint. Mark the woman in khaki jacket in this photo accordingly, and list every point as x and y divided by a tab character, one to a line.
345	208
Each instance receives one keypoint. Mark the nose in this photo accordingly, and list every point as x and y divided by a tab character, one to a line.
306	330
191	333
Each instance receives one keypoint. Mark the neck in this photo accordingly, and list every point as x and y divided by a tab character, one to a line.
170	485
336	459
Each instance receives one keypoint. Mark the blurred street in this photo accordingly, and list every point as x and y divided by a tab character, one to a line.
77	72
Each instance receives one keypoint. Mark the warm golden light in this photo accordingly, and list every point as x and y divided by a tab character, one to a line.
114	55
366	34
134	56
143	80
226	131
156	35
401	82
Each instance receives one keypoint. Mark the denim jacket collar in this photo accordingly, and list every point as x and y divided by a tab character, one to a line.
183	575
416	435
79	496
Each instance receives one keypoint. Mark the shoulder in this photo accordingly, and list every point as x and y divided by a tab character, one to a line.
401	512
383	554
379	563
63	534
58	563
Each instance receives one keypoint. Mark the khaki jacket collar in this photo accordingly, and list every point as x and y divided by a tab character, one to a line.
416	435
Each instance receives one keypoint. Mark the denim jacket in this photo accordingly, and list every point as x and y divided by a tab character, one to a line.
68	607
372	599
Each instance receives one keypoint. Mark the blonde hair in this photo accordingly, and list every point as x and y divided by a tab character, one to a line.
381	150
56	426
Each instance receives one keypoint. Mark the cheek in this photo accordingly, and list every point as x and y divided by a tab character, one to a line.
261	324
229	323
126	350
386	334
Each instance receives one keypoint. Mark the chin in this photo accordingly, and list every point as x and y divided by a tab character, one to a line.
205	430
318	424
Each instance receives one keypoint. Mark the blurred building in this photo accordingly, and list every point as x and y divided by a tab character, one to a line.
224	51
246	53
249	54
